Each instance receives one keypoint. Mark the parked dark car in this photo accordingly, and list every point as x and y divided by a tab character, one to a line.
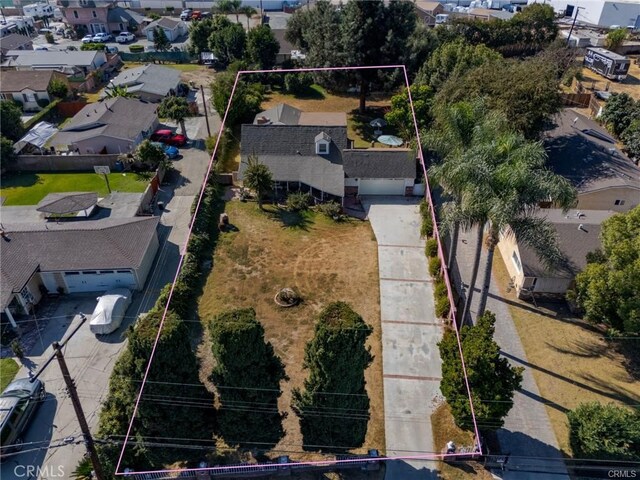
18	403
168	137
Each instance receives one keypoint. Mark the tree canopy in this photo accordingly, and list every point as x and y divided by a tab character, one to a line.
150	154
258	177
493	380
246	99
11	126
247	378
615	38
262	47
401	117
175	108
160	41
607	289
58	88
333	406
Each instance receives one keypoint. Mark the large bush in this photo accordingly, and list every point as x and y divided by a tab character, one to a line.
297	83
605	432
298	201
333	406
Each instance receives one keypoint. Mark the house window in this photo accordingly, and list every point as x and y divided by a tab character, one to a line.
619	202
75	14
94	14
323	148
516	261
27	296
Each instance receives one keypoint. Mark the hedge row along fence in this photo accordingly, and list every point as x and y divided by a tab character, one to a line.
44	114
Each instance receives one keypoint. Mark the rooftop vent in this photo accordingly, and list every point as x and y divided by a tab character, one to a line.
581	227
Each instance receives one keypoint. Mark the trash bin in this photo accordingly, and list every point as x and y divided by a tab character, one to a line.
160	205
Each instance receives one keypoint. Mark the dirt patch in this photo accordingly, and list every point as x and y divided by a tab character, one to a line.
324	261
571	361
630	85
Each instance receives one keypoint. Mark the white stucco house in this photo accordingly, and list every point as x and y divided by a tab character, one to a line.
173	28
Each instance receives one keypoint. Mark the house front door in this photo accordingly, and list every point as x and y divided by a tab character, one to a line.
98	28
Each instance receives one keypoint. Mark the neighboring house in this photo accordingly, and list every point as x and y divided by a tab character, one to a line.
173	28
66	61
150	83
427	11
285	47
38	10
99	16
310	151
73	257
116	125
578	233
602	13
14	41
29	88
586	154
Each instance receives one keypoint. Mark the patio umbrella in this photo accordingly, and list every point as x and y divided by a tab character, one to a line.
390	140
378	122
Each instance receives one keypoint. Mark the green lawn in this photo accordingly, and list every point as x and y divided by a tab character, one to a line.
183	67
30	188
8	370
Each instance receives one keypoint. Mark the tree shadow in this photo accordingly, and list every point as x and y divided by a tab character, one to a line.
19	180
301	220
526	454
364	130
310	93
412	470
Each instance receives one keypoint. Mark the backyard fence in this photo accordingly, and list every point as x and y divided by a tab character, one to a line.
57	163
576	99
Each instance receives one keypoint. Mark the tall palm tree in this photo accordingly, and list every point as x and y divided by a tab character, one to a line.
113	91
258	177
227	7
248	12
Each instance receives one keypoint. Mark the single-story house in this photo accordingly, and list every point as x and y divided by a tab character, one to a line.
310	151
73	257
173	28
578	233
64	61
285	47
586	154
150	83
15	41
29	88
427	11
116	125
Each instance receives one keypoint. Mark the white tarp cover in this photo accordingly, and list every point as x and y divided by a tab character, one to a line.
37	136
108	314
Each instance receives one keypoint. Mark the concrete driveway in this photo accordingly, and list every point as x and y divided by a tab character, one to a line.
410	332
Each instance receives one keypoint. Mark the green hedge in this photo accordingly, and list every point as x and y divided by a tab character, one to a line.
434	266
426	229
136	48
431	248
92	46
44	114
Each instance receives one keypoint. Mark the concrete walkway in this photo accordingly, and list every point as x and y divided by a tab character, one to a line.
410	332
527	430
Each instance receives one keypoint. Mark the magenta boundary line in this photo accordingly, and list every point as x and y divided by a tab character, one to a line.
183	254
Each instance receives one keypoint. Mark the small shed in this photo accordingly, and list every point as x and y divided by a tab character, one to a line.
36	138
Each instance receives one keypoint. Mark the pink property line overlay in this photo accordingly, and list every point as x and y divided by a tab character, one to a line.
183	254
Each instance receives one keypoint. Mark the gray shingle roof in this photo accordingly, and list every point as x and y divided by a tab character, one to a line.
153	79
53	59
581	153
13	41
18	80
281	114
379	163
62	203
123	15
77	245
284	114
164	22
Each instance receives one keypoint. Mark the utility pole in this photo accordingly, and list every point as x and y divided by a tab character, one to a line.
206	115
573	24
73	394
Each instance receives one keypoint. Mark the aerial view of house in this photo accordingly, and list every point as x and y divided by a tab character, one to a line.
29	88
150	83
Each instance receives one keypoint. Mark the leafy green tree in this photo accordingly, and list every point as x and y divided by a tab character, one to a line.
619	111
605	432
401	117
492	379
199	33
7	153
631	138
247	378
248	12
334	406
246	99
58	88
452	60
175	108
149	154
615	38
258	177
160	40
607	289
11	125
229	43
227	7
262	47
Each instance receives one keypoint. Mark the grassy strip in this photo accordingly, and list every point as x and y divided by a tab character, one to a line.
8	370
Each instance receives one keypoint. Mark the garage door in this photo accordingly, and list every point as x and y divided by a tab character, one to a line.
381	186
94	281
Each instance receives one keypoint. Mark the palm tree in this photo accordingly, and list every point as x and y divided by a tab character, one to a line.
175	108
248	12
227	7
258	177
113	91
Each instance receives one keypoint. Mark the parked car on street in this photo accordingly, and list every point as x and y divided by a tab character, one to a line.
124	37
87	39
196	15
110	311
186	14
168	137
170	150
18	402
101	37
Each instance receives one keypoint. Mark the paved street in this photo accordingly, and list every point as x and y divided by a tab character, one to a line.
410	332
527	431
91	360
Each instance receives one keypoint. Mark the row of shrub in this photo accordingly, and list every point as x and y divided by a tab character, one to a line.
93	46
442	304
300	201
136	48
44	114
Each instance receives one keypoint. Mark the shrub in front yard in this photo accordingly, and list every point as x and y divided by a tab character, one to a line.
136	48
434	266
99	47
330	209
298	201
442	306
431	248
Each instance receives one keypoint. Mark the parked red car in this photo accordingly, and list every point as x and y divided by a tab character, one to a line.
196	15
168	137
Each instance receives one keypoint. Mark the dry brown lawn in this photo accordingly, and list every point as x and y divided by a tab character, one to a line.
444	429
571	361
325	261
630	85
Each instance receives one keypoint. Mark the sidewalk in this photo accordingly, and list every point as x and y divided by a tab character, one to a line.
527	434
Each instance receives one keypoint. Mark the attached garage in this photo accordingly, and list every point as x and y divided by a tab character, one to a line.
97	281
381	186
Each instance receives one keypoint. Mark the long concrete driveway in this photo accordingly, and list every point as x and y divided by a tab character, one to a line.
410	332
